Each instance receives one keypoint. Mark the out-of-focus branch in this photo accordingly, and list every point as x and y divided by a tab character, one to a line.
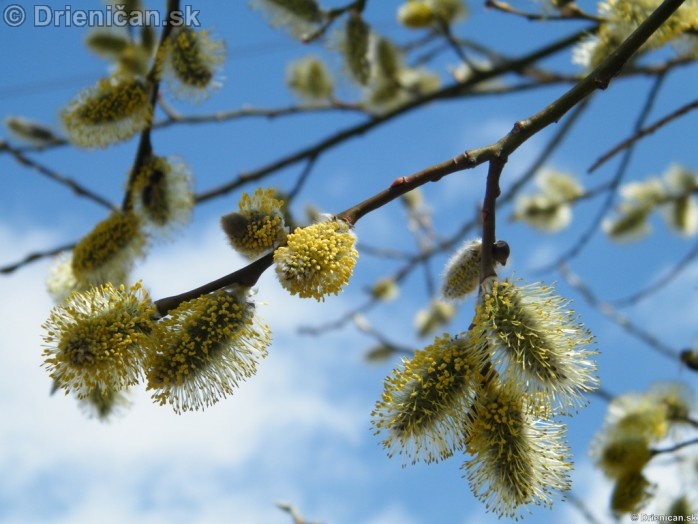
660	283
32	257
610	312
568	12
641	133
77	188
594	225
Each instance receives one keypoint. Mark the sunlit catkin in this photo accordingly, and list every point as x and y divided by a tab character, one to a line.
536	342
112	111
204	348
517	459
317	260
98	338
423	411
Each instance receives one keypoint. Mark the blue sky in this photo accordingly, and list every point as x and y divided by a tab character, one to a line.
299	431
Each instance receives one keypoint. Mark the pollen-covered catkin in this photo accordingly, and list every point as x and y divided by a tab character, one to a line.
317	260
204	348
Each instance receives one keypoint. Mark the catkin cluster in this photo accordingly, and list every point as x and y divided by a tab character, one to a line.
494	392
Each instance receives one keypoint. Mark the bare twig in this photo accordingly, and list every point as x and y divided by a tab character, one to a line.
77	188
675	447
569	12
32	257
660	283
641	133
609	312
593	226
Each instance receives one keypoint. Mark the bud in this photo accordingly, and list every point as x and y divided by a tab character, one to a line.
438	314
30	131
462	272
106	43
102	403
385	289
310	79
162	194
517	459
448	11
415	14
98	338
631	493
424	406
536	342
681	212
355	48
623	453
379	353
298	16
387	60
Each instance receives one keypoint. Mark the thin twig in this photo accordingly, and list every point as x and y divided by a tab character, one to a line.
74	186
32	257
641	133
495	153
581	506
145	148
593	226
675	447
660	283
609	312
361	128
569	12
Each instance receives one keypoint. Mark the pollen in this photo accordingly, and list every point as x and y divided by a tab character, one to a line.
424	408
204	349
107	253
318	259
98	339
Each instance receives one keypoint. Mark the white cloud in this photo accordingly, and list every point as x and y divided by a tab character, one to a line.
229	463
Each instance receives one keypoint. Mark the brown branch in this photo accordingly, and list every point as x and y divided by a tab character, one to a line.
496	153
145	147
361	128
488	213
247	276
